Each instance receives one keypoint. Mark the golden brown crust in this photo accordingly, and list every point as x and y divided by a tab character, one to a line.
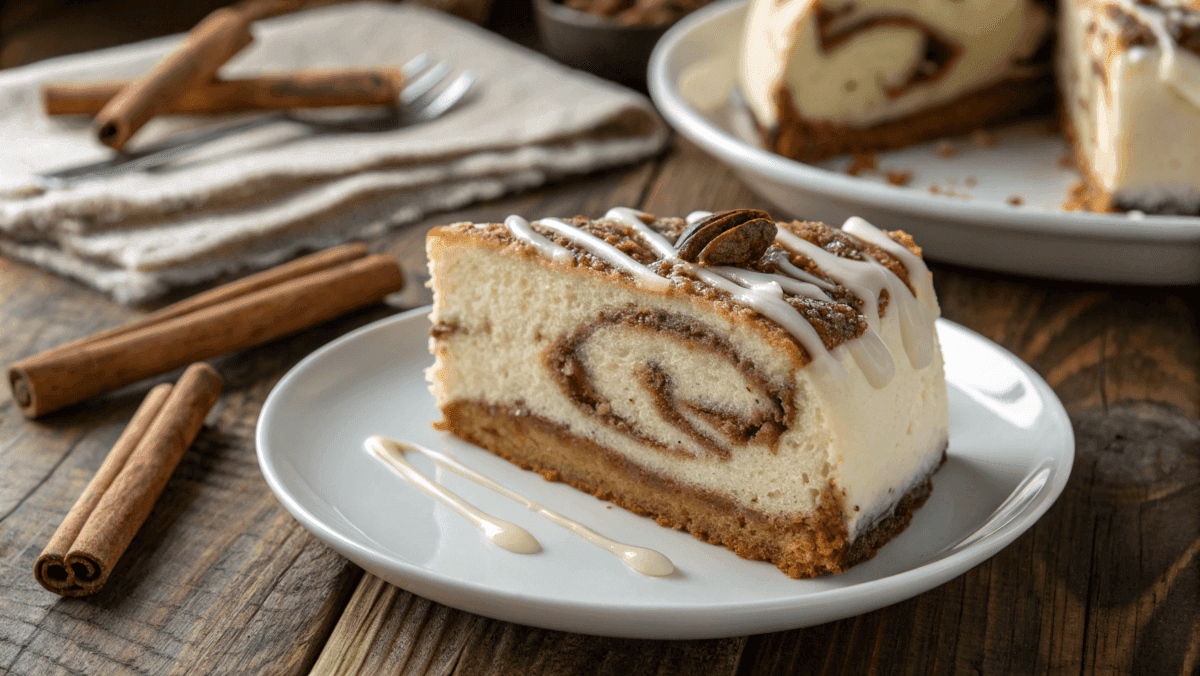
801	547
815	140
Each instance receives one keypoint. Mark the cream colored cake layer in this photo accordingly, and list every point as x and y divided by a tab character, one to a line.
507	311
863	62
1135	112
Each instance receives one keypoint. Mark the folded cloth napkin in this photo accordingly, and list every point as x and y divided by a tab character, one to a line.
256	198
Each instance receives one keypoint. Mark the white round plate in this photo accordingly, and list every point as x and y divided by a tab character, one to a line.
692	81
1010	453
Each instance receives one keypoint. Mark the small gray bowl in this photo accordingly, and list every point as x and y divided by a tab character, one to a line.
597	44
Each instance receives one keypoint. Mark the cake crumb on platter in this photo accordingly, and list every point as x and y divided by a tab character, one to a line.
863	162
1077	197
948	191
1016	200
901	178
946	148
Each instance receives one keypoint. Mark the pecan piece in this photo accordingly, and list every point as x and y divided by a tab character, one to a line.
736	237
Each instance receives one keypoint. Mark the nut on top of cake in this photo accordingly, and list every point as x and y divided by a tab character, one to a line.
776	388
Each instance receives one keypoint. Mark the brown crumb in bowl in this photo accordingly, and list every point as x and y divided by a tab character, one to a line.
901	178
1016	200
946	148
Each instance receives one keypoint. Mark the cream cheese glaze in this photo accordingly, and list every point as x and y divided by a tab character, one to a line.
504	534
863	62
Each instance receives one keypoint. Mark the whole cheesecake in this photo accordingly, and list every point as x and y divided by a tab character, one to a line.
824	78
774	388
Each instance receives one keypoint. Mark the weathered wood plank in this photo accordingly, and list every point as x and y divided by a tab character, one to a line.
220	577
690	180
386	629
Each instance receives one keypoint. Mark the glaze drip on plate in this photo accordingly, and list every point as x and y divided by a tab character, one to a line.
502	533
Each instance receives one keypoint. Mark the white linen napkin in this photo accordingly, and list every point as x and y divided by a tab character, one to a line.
254	199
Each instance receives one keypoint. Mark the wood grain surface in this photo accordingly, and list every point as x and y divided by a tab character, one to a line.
222	580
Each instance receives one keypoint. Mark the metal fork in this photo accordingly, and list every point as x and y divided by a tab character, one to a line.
420	101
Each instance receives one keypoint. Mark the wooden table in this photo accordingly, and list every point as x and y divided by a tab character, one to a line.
221	579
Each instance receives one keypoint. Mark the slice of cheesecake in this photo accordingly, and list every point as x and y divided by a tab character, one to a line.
1130	79
830	77
773	388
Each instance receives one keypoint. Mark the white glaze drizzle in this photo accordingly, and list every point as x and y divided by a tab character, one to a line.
780	260
865	279
749	278
645	277
872	356
508	535
504	534
918	274
520	228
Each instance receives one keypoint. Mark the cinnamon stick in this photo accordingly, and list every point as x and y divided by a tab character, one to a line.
208	46
89	542
313	89
230	318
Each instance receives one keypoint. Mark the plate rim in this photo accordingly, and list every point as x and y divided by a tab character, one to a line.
832	184
771	614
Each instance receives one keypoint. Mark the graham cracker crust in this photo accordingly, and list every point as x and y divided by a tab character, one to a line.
801	547
814	140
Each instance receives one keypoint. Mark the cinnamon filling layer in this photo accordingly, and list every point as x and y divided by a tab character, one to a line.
567	362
